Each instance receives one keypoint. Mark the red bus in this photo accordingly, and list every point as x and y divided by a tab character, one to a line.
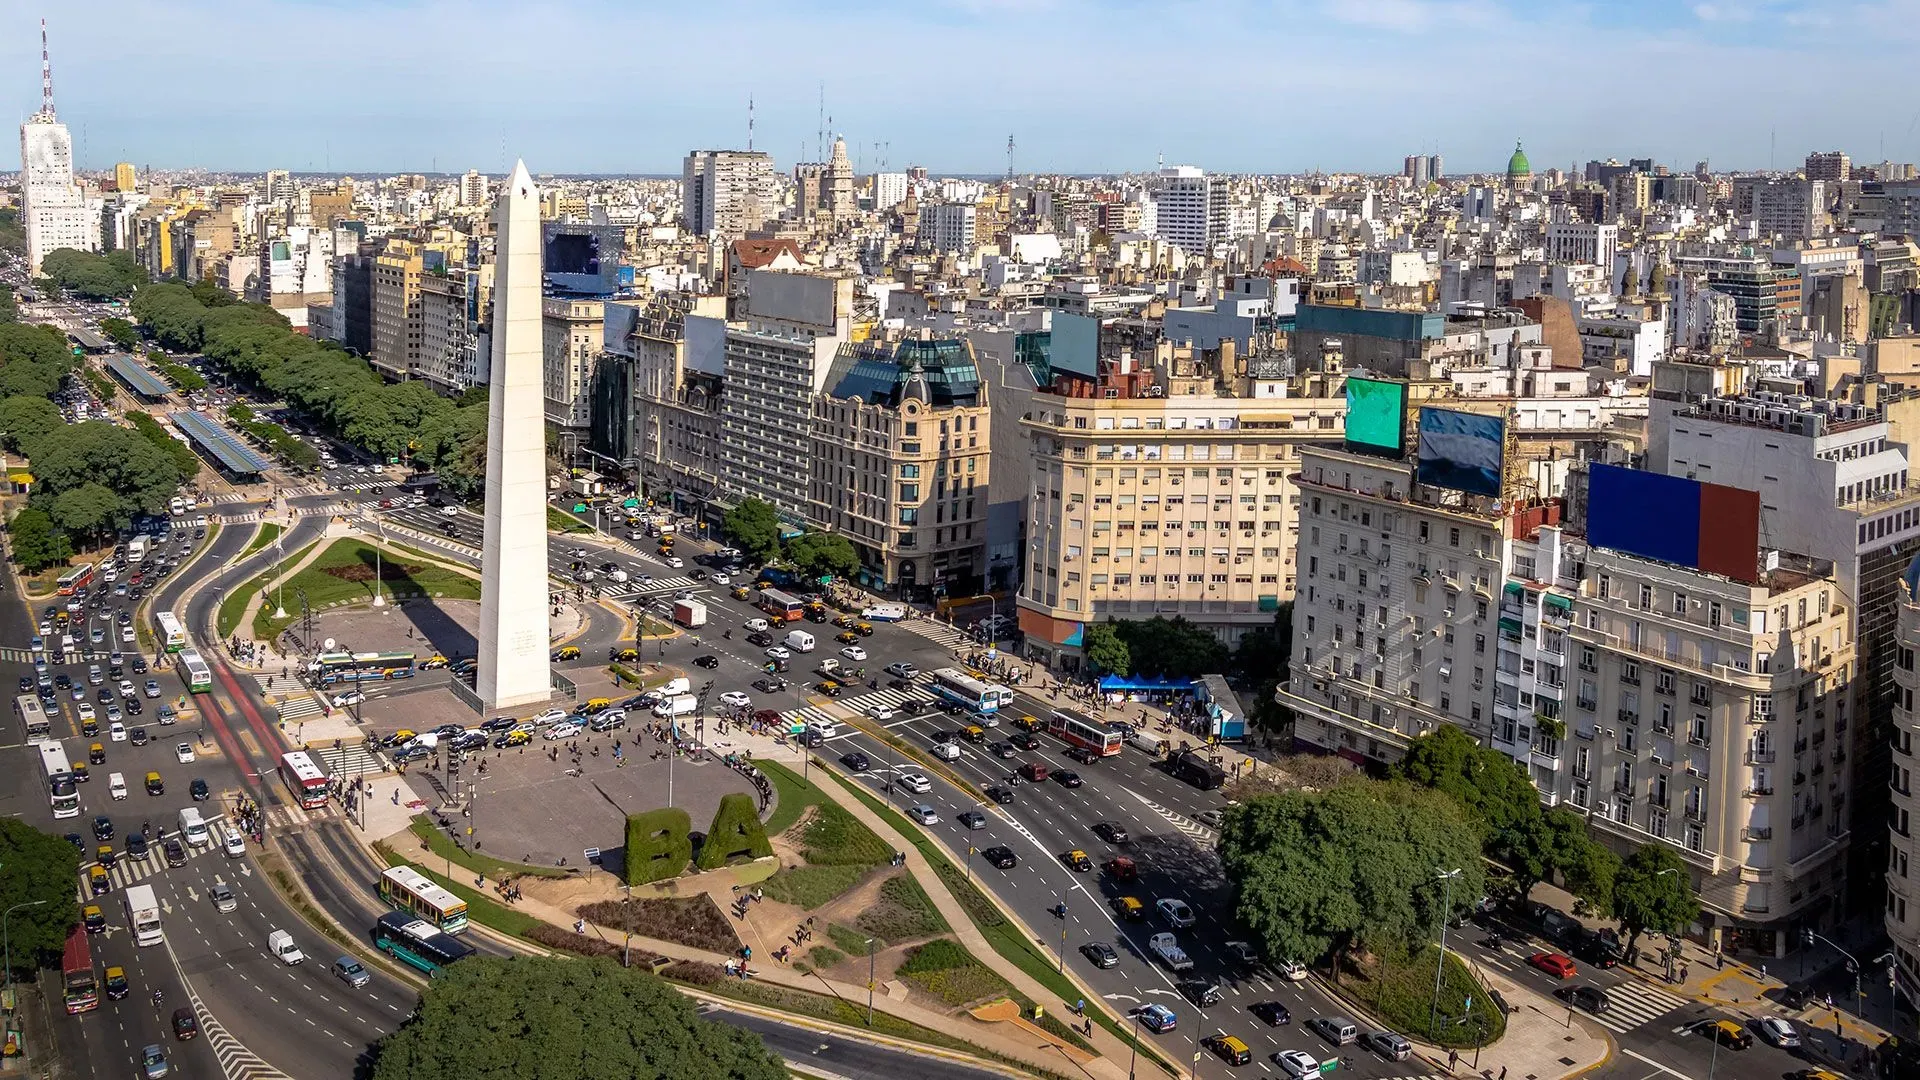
1076	730
76	579
82	990
304	779
783	607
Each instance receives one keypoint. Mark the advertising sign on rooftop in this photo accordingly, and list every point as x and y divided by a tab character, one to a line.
1377	416
1462	451
1672	519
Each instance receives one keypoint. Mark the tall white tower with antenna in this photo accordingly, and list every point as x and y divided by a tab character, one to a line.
53	208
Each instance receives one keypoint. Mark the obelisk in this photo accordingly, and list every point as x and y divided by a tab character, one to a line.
514	667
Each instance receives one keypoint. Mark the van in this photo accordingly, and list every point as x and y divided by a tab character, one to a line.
755	626
683	705
117	785
675	687
233	843
1152	744
1337	1030
280	944
826	729
193	827
799	641
1034	772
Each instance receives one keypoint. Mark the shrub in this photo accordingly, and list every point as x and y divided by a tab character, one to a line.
903	911
945	969
554	937
693	921
658	845
834	837
825	956
734	834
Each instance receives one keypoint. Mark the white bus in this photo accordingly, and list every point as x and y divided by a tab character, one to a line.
63	791
194	671
34	716
410	890
965	690
143	915
173	636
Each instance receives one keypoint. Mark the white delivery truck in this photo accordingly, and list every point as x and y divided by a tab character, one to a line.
193	827
684	705
674	687
799	641
143	915
136	549
280	944
885	613
691	614
1151	743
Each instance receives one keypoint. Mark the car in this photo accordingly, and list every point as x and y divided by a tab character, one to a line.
450	511
736	699
198	789
708	661
350	697
154	784
1001	856
973	819
1005	751
174	851
1296	1063
415	751
1777	1032
854	652
1387	1044
1725	1032
153	1062
136	846
1025	740
137	736
116	732
924	814
499	724
1000	794
1590	998
1111	831
1174	912
769	685
902	669
469	740
547	716
1076	860
1067	778
185	1025
117	985
1554	964
139	667
1083	755
779	652
914	706
1202	992
1272	1012
881	713
183	753
222	896
1155	1018
500	742
235	844
916	783
856	761
1121	869
760	638
828	687
349	971
103	828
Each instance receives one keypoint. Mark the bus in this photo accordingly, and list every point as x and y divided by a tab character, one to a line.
414	941
63	791
329	669
414	892
304	779
194	671
143	915
34	715
1002	697
80	987
783	607
1084	732
76	579
965	690
172	635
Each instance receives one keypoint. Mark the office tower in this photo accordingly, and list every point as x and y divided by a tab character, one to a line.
55	209
1191	208
1422	169
1834	165
125	179
513	668
396	309
473	189
727	193
889	190
279	184
949	226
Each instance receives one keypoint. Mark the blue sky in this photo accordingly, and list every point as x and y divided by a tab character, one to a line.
377	86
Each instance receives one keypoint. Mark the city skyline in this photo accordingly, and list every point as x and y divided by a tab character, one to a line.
1251	88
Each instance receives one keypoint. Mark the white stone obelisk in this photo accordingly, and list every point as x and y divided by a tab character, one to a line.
514	663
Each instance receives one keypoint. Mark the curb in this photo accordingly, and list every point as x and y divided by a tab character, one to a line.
856	1034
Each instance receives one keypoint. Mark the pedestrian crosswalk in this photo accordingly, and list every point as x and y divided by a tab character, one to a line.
18	656
299	707
349	760
1192	829
1631	1003
288	816
635	590
127	870
938	631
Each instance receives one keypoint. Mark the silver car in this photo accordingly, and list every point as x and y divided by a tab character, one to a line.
350	972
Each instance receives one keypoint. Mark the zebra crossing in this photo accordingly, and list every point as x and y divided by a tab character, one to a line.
329	510
938	631
1193	830
350	760
127	870
814	712
18	656
1631	1003
286	817
300	707
633	591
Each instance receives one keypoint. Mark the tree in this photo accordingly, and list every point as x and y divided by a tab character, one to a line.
9	310
13	237
90	510
37	545
184	459
754	527
120	332
1177	648
817	555
1322	874
183	378
24	418
1490	786
39	867
96	277
1652	893
1260	660
1106	653
492	1018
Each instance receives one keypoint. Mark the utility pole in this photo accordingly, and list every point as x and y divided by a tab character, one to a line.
1439	969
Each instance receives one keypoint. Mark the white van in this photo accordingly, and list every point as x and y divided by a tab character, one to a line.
675	687
799	641
755	626
280	944
117	785
193	827
826	729
1152	744
683	705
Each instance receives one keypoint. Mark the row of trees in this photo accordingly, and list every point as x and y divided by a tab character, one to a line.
110	276
754	527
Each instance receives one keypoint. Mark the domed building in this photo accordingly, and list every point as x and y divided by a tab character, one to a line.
1519	170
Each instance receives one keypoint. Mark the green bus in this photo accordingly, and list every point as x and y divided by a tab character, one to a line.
418	943
194	671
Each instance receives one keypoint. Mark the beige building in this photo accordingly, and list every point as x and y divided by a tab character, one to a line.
571	333
674	346
396	311
124	177
449	355
901	453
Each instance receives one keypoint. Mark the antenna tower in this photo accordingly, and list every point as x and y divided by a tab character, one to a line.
46	74
749	122
1009	159
820	135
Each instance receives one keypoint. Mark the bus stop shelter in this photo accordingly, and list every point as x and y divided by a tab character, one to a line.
234	458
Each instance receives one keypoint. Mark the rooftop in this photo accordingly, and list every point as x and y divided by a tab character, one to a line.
137	377
235	456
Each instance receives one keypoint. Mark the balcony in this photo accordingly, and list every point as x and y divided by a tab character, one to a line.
1585	666
1699	738
1758	792
1628	716
1697	814
1624	787
1754	835
1589	704
1697	771
1759	757
1700	697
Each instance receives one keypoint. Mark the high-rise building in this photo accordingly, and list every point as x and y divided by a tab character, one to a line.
837	192
1579	242
727	193
1422	169
677	345
473	189
125	177
450	303
949	226
1902	918
54	208
1190	208
1790	208
570	342
396	310
889	190
1833	166
279	184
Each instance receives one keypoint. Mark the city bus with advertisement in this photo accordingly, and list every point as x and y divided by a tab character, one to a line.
412	891
56	773
33	714
194	671
167	627
76	579
79	985
331	669
1084	732
962	689
304	779
414	942
783	607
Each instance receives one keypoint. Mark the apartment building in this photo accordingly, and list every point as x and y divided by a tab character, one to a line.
396	310
902	447
55	211
726	193
949	227
571	340
1580	242
677	344
450	307
1902	912
1190	208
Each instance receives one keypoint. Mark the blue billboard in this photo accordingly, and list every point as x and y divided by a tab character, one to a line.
1462	451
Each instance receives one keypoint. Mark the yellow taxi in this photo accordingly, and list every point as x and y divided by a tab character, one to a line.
80	773
974	733
1129	908
1029	724
104	855
845	622
93	918
1077	860
625	656
117	985
829	688
567	652
434	661
154	784
739	592
846	637
97	753
596	704
517	737
97	880
1229	1049
863	629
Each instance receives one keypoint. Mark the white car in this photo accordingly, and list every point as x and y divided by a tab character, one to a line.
880	713
86	710
1297	1063
117	732
548	717
184	753
736	699
916	783
562	731
854	652
779	652
1778	1032
449	510
721	578
1291	970
351	697
924	814
676	561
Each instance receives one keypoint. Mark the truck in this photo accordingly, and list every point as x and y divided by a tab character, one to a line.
1167	948
884	613
684	705
1194	767
799	641
280	944
830	669
136	550
691	614
143	915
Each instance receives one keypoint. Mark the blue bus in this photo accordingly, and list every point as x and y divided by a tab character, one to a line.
418	943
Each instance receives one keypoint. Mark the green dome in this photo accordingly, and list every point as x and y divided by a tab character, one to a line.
1517	165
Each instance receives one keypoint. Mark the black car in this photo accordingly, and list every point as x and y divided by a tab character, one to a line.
901	685
760	638
1202	992
498	724
1590	998
913	706
697	574
136	846
810	738
133	707
1110	831
1600	948
103	828
139	665
769	685
1272	1012
1083	755
26	684
1001	795
138	735
469	740
1025	740
856	761
198	789
944	737
1067	778
1001	856
709	661
175	851
1100	953
79	842
63	681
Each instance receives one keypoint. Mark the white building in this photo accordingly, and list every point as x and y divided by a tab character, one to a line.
54	209
777	358
728	193
948	227
889	190
1190	208
1579	242
473	189
571	340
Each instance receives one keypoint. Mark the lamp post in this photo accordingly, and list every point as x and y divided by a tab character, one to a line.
869	982
1853	965
1060	957
1134	1054
626	919
379	575
1439	969
6	936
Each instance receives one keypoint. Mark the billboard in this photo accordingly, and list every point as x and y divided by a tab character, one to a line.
1708	527
1377	416
1462	451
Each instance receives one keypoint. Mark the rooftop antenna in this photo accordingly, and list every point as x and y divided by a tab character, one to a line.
749	122
46	74
820	135
1009	159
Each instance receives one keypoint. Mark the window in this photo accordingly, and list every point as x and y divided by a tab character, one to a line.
1646	596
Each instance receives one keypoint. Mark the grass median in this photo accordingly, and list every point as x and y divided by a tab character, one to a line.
444	848
234	604
269	532
345	573
480	908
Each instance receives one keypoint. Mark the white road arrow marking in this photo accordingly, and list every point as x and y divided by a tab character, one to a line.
1120	997
166	907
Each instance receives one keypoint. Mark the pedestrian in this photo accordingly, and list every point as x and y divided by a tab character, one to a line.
1503	1072
1453	1060
1683	973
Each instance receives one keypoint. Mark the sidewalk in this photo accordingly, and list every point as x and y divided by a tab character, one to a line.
1540	1030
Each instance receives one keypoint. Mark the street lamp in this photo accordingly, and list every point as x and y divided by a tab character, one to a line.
379	575
1060	957
1439	969
626	918
6	936
1134	1054
869	982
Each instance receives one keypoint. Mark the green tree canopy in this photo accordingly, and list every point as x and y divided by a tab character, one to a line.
91	510
182	455
818	554
113	275
1260	660
13	237
183	377
488	1018
1172	647
9	309
141	474
37	544
1356	866
754	528
39	867
24	418
1106	653
1653	893
120	332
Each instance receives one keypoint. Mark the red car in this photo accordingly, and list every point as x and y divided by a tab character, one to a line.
1554	964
